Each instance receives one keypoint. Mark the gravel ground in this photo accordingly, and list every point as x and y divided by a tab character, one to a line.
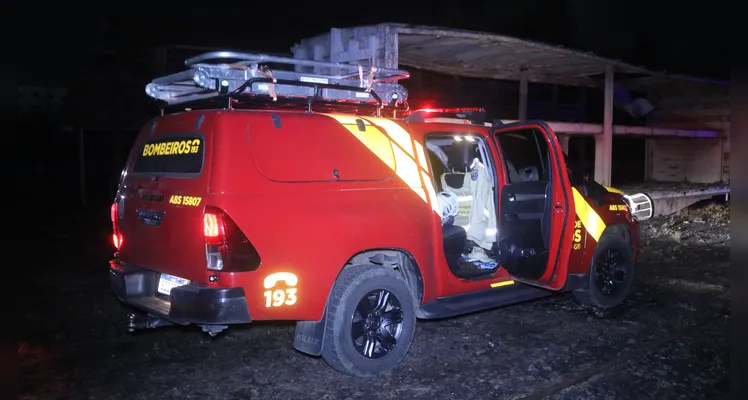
667	341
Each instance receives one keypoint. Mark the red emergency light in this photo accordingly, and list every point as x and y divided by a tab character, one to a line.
467	115
453	110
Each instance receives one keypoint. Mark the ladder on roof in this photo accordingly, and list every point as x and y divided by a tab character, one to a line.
238	76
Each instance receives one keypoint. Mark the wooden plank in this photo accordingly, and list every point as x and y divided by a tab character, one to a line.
604	142
578	128
503	73
691	160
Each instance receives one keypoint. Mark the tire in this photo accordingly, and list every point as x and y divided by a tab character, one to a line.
347	300
591	294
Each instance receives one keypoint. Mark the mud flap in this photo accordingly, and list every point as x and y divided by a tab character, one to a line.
309	336
575	282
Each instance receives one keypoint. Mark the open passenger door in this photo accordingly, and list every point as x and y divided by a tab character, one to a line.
536	208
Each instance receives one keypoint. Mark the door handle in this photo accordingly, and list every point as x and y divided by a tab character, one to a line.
525	197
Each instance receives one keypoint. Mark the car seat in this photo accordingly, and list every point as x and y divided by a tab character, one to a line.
483	210
514	176
459	157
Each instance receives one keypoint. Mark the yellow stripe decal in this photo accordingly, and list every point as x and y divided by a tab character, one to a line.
499	284
421	156
431	192
613	190
394	146
589	217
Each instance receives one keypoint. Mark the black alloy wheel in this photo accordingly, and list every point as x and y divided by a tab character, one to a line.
610	272
370	321
377	323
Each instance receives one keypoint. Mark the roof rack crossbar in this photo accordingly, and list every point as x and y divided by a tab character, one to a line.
249	76
302	104
314	85
385	74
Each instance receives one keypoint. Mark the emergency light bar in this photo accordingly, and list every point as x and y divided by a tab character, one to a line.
465	115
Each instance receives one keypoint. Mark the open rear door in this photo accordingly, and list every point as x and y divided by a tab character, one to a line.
535	214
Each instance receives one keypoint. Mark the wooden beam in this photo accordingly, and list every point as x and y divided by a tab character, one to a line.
597	129
604	142
502	73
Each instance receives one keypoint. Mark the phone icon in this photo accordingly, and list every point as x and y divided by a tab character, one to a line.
273	279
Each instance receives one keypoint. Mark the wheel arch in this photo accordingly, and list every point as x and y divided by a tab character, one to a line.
398	259
620	229
309	335
579	280
583	291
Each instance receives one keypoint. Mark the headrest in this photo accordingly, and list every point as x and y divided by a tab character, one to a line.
460	155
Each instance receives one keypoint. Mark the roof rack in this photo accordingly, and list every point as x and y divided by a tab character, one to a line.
235	78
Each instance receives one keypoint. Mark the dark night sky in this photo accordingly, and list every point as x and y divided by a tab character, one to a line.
662	34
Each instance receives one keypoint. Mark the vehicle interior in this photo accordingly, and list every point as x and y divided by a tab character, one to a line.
466	183
525	203
466	189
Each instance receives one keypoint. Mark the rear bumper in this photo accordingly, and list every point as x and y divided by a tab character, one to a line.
189	304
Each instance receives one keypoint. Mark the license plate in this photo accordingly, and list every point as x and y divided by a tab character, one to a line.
168	282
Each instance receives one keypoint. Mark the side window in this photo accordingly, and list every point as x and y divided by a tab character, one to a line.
526	156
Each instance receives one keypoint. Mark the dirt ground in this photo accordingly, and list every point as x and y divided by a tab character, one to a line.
667	341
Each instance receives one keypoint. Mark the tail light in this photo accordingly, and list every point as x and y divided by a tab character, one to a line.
226	246
116	234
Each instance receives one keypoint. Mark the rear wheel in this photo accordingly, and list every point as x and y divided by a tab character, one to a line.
370	322
611	273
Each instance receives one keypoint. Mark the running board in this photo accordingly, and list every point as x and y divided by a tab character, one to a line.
459	304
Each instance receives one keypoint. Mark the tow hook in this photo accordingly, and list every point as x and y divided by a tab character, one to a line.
136	322
213	330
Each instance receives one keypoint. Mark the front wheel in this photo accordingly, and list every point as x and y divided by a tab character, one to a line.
611	273
370	321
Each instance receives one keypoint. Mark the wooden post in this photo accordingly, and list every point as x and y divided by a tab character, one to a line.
391	44
563	140
523	95
604	142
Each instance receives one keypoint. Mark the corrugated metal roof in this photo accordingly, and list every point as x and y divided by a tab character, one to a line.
488	55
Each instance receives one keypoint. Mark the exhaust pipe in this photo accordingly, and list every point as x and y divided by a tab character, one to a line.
138	322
